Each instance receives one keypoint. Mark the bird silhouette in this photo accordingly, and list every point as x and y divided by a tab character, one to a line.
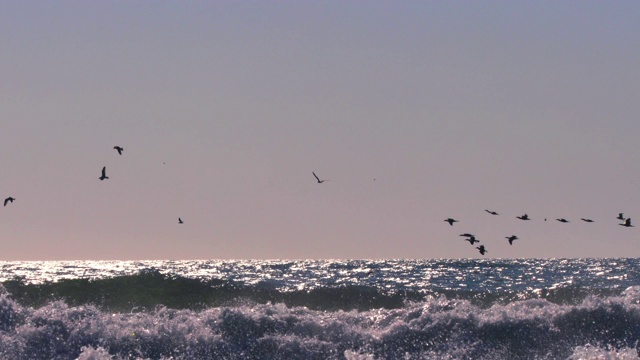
482	250
586	220
8	200
620	216
523	217
472	240
627	223
511	238
317	178
180	221
563	220
104	173
466	234
119	149
451	221
491	212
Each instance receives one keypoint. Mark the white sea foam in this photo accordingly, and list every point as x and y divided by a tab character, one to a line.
570	321
589	352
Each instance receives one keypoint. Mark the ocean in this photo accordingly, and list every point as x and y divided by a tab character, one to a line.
321	309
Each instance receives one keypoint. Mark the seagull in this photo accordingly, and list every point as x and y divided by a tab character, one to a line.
104	173
586	220
317	178
8	200
563	220
472	240
482	250
451	221
620	216
180	221
467	234
511	238
119	149
492	212
523	217
627	223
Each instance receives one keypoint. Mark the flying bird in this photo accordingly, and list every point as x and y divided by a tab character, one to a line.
511	238
491	212
586	220
451	221
119	149
523	217
104	173
466	234
627	223
620	216
8	200
563	220
482	250
317	178
472	240
180	221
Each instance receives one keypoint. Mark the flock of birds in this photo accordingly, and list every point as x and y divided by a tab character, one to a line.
626	222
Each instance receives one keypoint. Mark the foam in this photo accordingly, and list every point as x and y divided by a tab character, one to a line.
600	328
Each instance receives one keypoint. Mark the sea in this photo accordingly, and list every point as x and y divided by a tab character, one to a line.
321	309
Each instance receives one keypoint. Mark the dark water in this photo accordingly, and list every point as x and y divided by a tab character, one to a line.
387	309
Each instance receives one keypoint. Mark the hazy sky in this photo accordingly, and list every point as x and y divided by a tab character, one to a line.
414	111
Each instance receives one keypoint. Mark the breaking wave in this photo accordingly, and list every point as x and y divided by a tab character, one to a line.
155	316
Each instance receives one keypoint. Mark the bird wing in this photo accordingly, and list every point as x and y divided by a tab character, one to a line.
316	176
6	201
104	171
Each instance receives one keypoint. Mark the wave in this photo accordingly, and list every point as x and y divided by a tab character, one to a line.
150	288
178	318
437	328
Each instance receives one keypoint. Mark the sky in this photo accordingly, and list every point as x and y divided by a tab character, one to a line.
414	111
